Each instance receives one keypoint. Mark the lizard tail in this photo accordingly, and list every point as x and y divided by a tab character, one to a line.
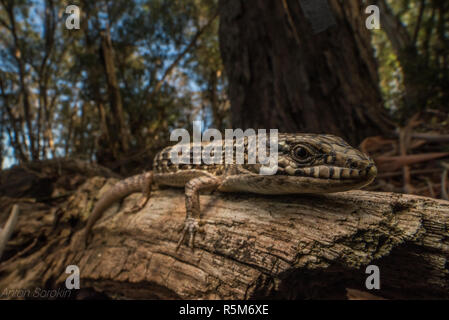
120	190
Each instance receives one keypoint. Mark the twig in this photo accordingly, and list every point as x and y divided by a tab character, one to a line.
403	142
9	228
429	137
418	24
169	70
444	194
399	173
24	251
430	186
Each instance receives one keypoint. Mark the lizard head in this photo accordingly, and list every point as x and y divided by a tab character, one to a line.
323	163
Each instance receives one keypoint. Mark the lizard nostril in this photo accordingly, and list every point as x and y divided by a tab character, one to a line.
371	170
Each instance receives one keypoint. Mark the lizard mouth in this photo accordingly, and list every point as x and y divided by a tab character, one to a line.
325	179
333	172
317	179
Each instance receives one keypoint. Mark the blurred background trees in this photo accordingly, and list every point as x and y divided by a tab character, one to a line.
413	53
111	91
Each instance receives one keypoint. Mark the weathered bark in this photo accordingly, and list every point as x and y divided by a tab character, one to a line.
283	75
310	246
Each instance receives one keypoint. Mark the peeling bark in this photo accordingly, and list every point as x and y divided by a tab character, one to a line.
310	246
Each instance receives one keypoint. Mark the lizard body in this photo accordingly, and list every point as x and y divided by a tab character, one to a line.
307	163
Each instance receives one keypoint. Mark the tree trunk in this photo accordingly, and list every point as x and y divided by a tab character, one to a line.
107	147
25	92
284	75
309	246
418	77
119	130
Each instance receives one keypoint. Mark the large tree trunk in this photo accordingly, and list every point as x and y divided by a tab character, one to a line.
284	75
252	247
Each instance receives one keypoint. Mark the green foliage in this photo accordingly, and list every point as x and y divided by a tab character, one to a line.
416	77
390	72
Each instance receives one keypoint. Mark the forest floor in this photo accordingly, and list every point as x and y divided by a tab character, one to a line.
416	161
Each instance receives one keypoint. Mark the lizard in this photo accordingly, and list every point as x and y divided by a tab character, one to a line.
307	163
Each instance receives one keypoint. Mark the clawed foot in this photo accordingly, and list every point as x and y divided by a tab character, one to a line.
191	226
132	210
139	206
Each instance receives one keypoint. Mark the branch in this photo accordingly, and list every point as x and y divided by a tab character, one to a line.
189	47
418	23
16	52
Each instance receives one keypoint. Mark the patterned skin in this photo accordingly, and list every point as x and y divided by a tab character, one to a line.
307	163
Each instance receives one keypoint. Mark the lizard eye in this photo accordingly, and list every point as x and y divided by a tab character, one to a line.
301	154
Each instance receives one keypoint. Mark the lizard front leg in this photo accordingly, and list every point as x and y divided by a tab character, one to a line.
193	213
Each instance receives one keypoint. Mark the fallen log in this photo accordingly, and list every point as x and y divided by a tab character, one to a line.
281	247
